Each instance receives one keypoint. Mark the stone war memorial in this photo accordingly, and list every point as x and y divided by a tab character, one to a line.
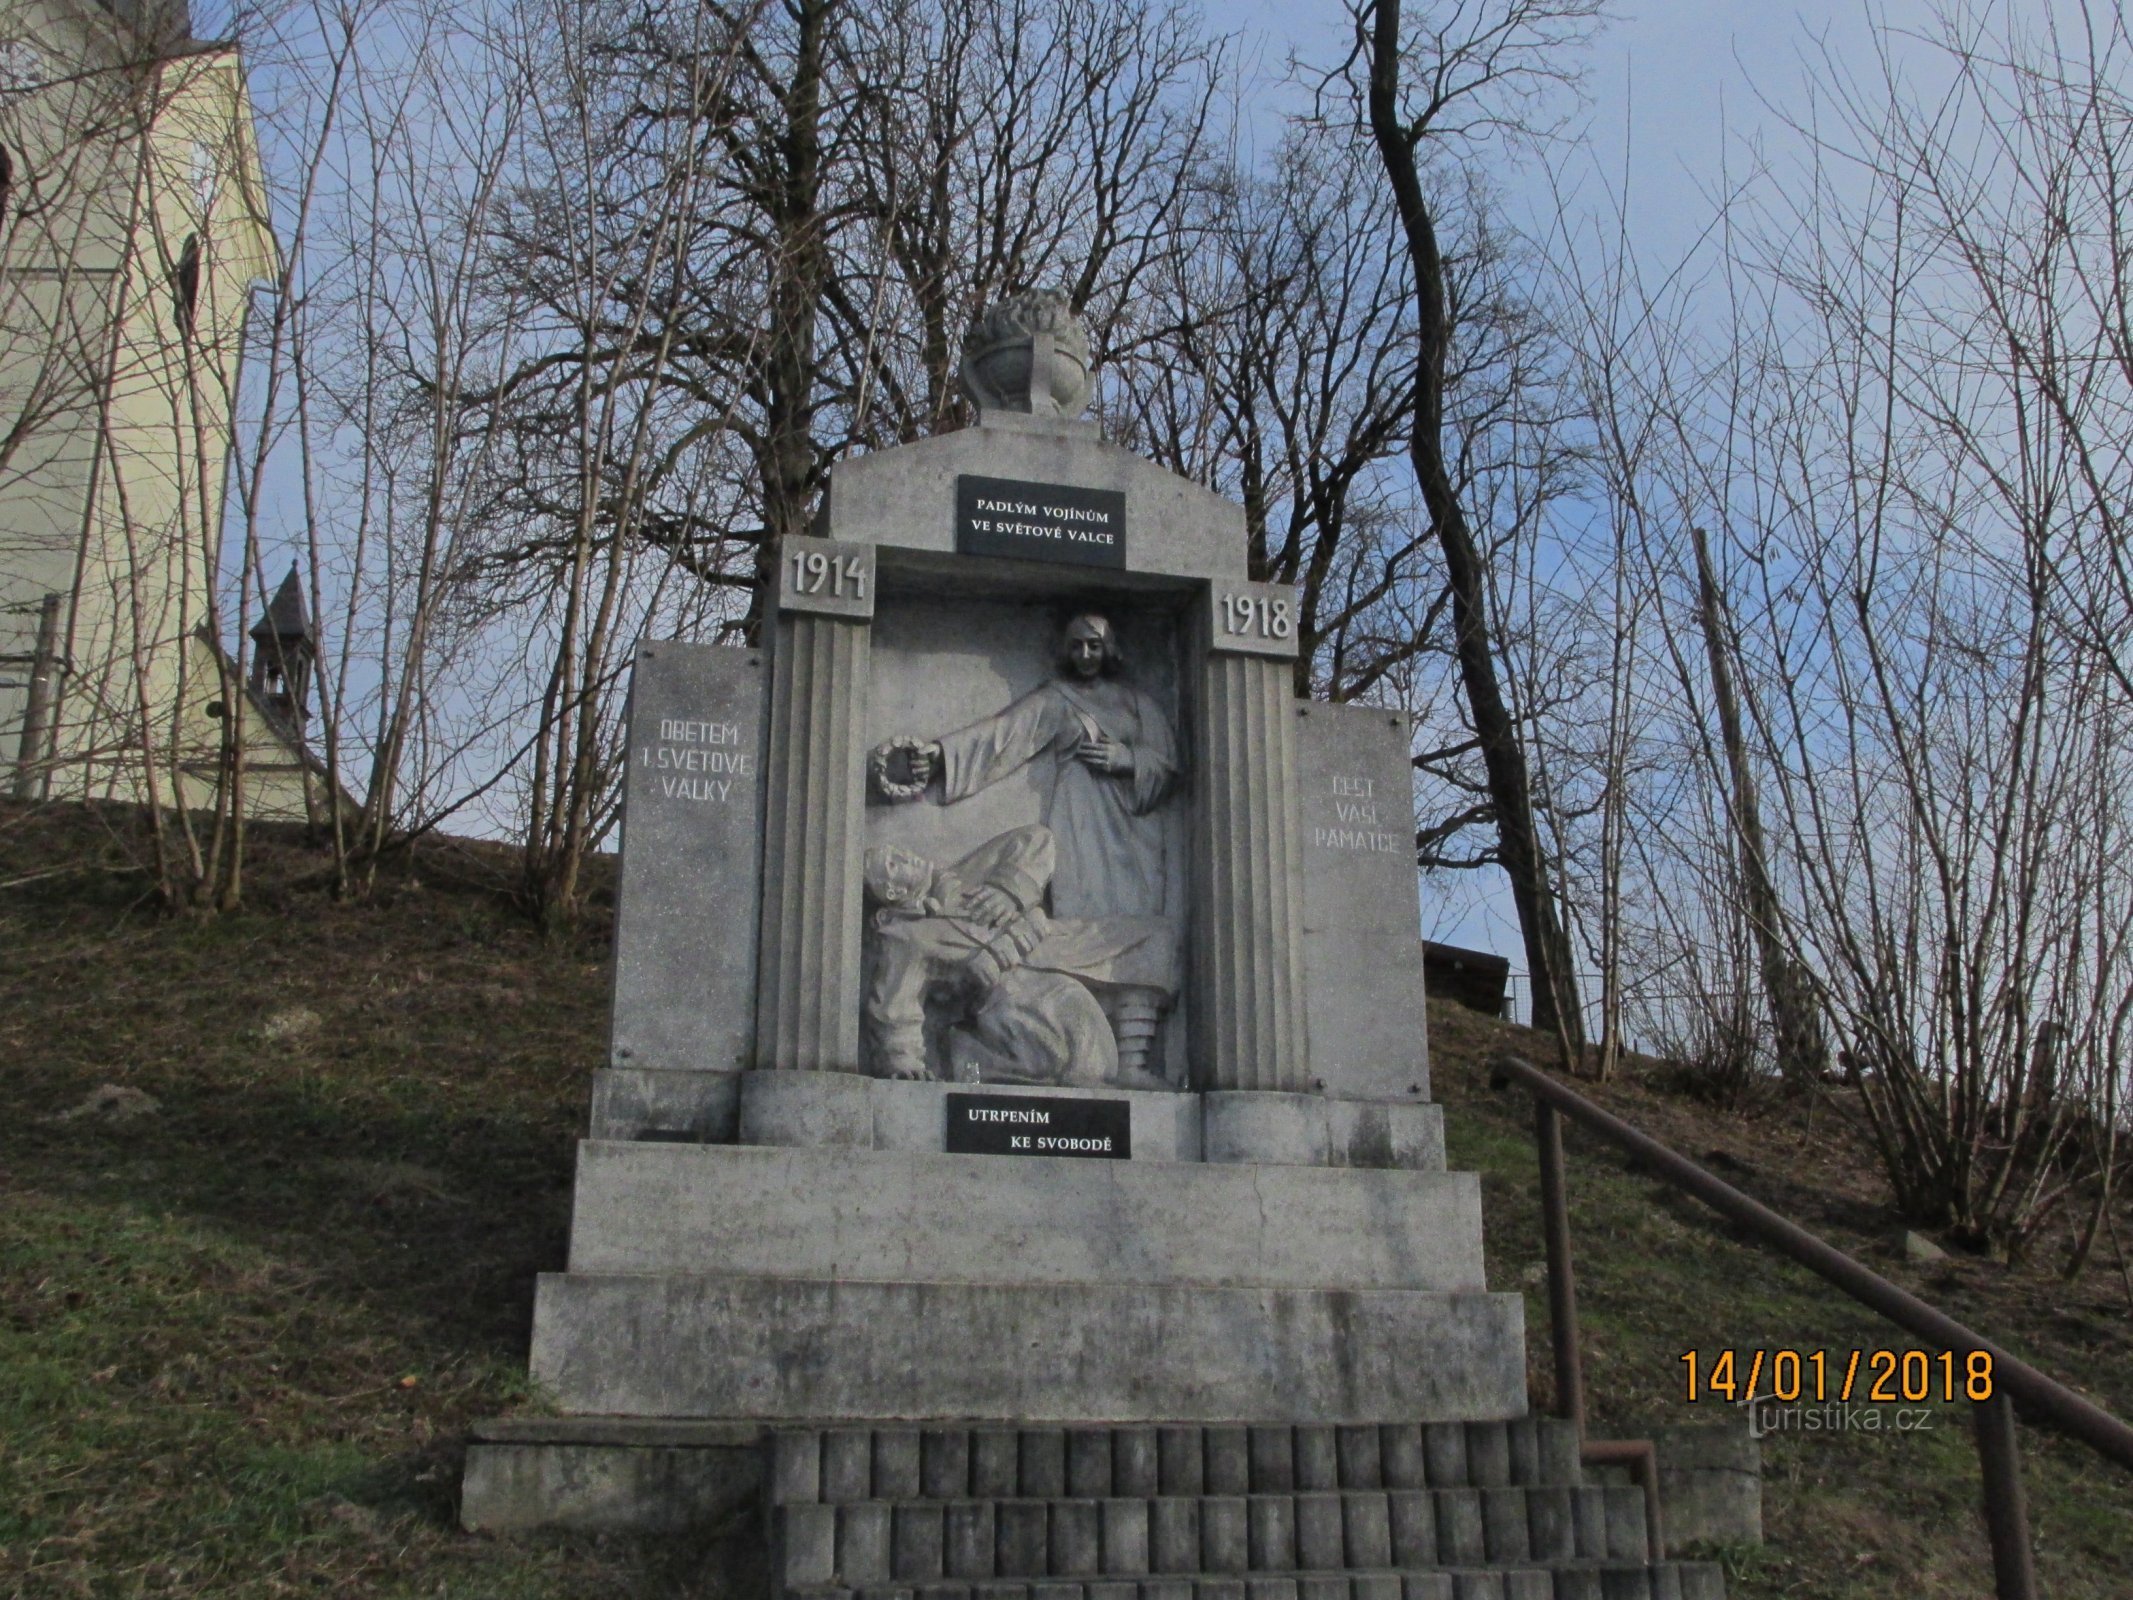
1014	1174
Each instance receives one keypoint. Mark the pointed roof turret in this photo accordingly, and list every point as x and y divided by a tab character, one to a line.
286	621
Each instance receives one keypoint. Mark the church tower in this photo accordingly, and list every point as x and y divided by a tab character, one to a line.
284	651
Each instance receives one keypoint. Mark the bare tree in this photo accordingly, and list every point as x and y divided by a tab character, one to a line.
1284	374
1901	433
1646	391
608	441
1478	72
440	128
721	275
1958	895
1088	178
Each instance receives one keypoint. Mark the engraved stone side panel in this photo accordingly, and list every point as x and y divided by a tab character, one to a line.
692	826
1362	926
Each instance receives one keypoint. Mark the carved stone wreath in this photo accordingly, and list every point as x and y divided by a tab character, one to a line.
880	764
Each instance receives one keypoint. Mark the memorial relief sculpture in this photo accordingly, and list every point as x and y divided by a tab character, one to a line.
1114	764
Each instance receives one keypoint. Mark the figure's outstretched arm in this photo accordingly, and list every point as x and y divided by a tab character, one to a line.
982	754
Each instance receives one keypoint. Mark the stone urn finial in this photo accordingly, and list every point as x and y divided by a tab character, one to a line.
1028	354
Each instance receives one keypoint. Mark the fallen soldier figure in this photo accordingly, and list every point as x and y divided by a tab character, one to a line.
1022	981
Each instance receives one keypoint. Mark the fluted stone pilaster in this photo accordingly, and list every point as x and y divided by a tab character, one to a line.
1248	1019
808	968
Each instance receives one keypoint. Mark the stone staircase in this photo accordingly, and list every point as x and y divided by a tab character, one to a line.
1438	1511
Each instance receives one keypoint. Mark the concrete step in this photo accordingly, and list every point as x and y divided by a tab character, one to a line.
1138	1462
933	1541
791	1350
830	1212
1665	1580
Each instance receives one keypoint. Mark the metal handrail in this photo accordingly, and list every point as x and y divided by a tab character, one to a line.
2044	1399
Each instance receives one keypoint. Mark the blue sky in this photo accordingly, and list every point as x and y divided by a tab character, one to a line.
1666	78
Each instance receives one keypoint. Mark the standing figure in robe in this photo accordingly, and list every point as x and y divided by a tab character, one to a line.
1112	756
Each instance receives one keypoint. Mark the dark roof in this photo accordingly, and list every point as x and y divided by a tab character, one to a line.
1451	956
286	618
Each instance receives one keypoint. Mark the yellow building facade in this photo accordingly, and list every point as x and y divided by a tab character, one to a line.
133	229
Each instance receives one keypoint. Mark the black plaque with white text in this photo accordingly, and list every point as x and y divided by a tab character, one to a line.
1040	521
1026	1125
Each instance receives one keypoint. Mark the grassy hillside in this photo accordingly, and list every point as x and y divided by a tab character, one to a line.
250	1302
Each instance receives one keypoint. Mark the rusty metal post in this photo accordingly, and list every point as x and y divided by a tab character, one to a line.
1646	1471
1562	1280
1641	1456
2014	1571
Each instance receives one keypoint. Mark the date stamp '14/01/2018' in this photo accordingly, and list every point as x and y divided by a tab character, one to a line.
1878	1377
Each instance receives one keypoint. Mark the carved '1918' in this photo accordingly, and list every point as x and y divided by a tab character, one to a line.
1249	616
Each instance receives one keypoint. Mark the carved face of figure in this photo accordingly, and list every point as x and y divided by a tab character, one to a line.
895	876
1090	650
